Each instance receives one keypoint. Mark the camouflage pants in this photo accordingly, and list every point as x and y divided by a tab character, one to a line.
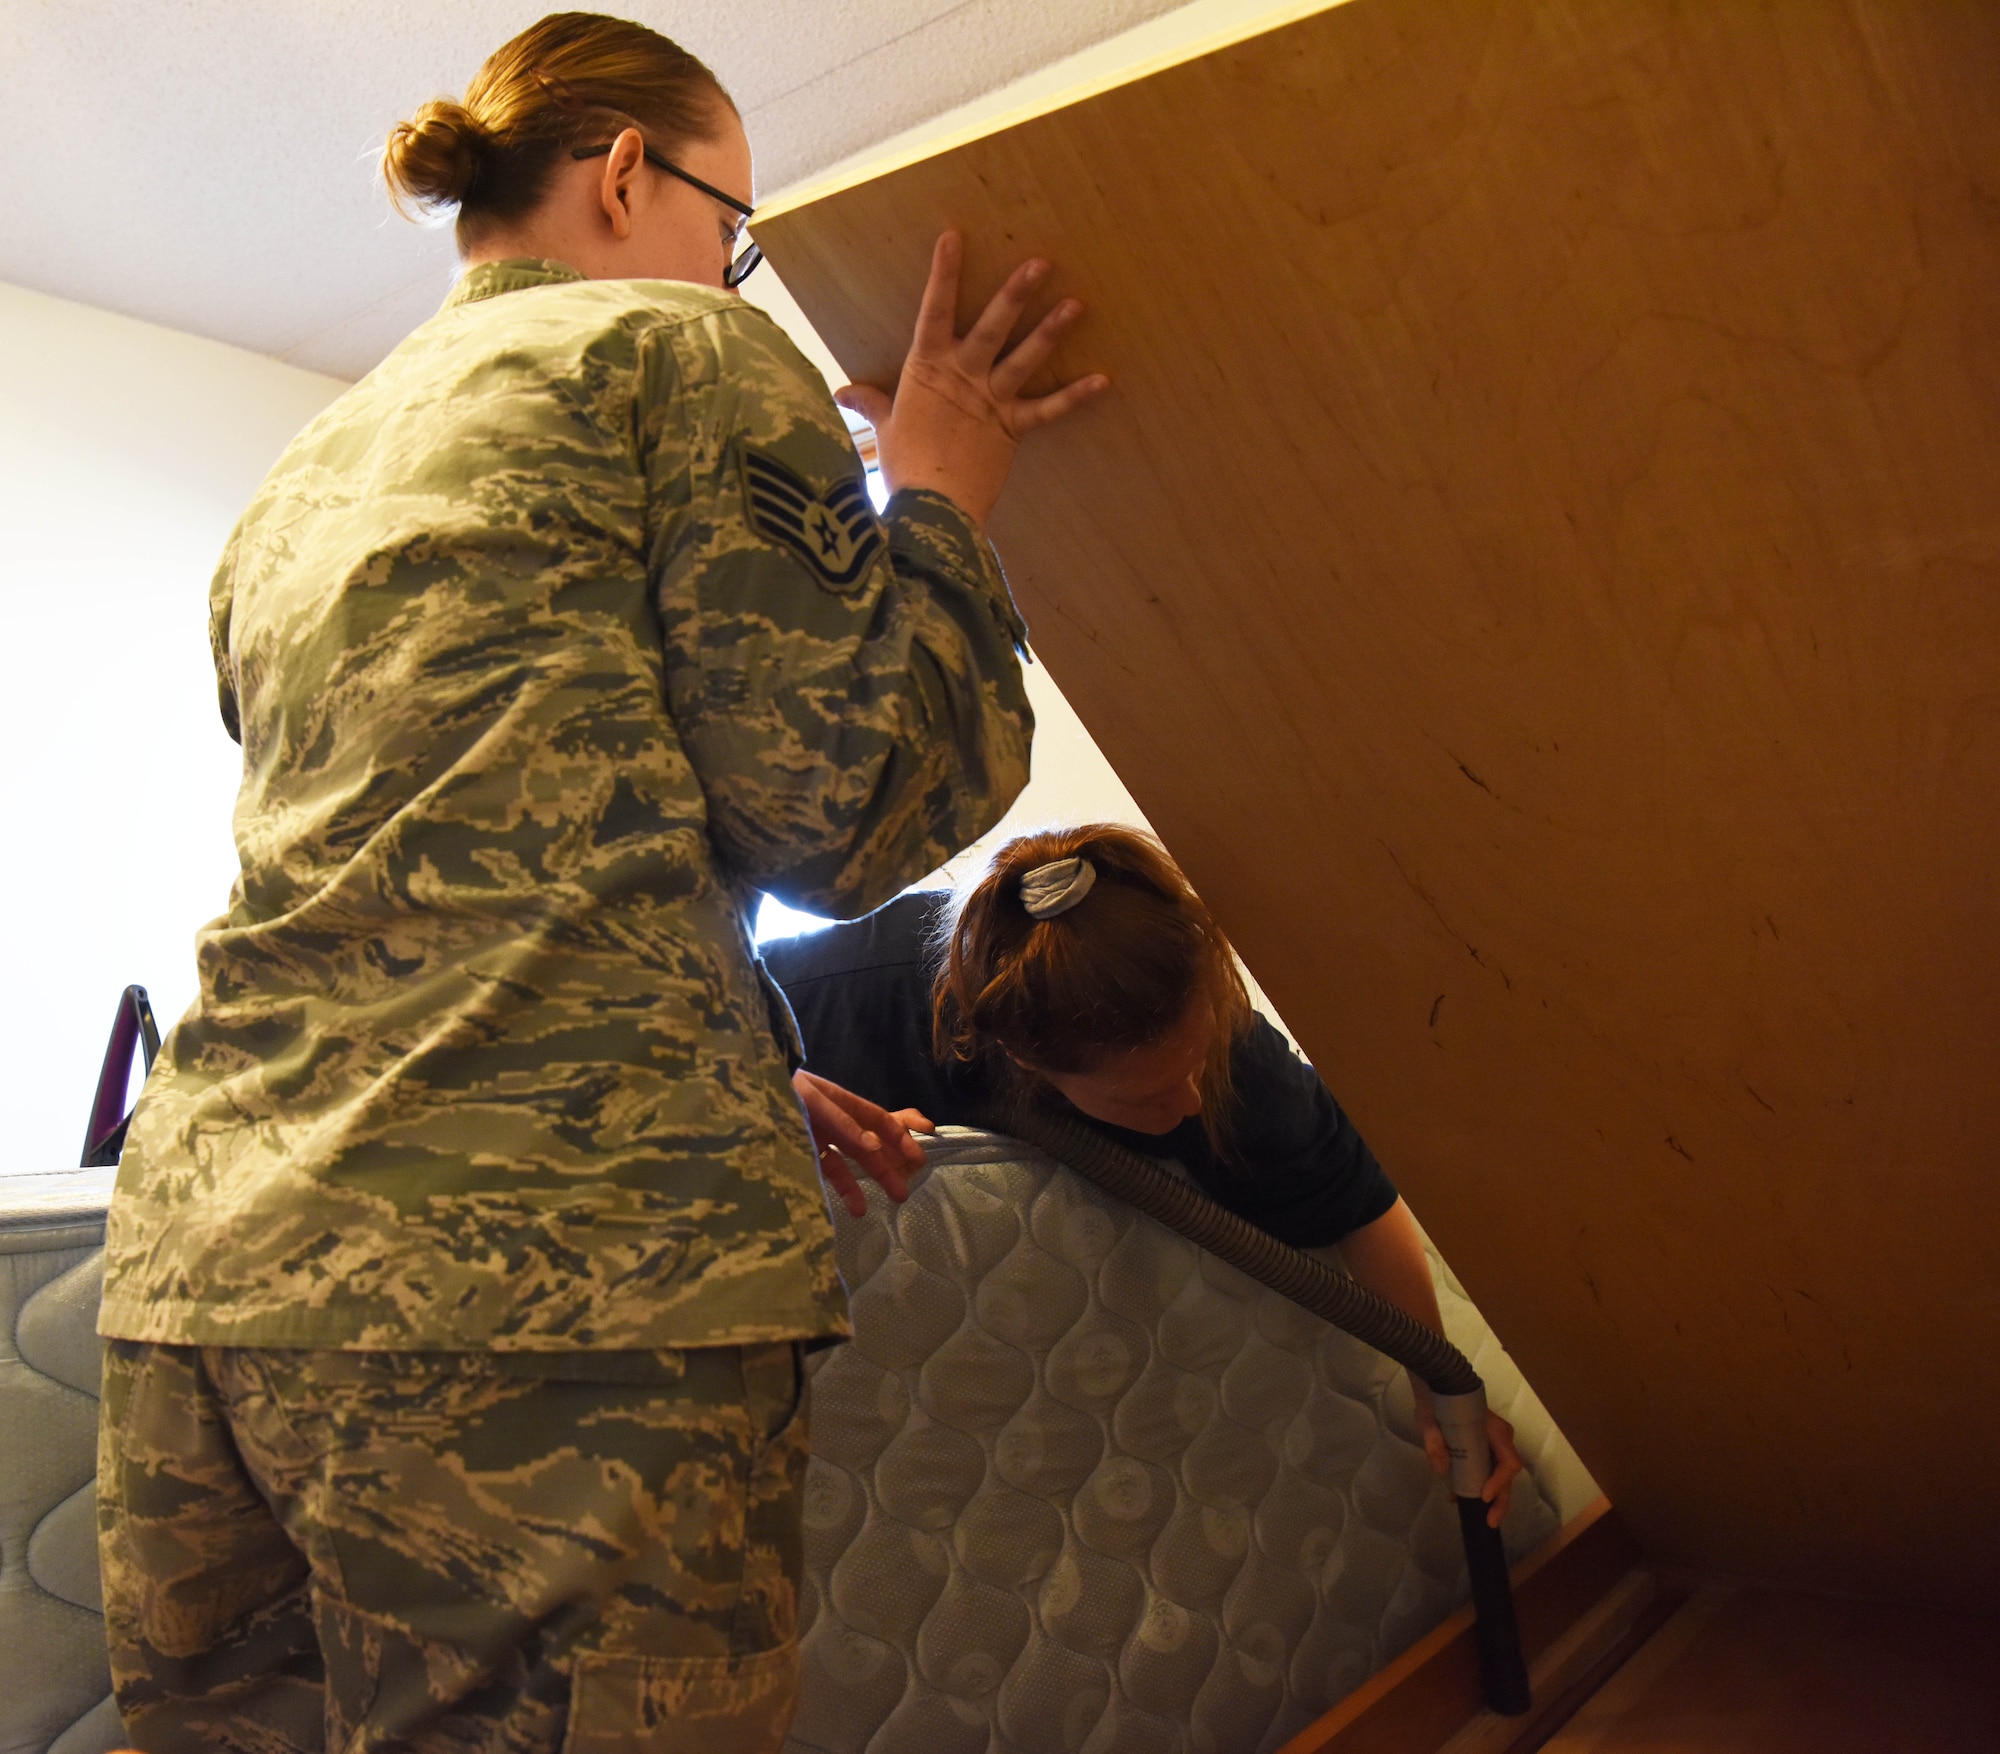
591	1552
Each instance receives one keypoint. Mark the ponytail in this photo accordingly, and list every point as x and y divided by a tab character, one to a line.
1077	944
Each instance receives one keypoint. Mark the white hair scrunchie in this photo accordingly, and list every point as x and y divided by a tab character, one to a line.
1054	889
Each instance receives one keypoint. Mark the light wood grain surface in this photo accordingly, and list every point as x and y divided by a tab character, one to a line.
1539	567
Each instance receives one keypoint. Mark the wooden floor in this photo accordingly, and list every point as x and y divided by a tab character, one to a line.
1749	1671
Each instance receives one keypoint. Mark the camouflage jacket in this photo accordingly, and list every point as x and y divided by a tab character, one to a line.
549	645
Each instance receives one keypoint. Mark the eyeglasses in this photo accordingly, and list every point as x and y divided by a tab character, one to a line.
745	264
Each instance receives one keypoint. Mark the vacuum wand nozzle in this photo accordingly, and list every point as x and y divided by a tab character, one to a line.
1503	1671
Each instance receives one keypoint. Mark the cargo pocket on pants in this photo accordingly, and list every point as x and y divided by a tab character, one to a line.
689	1705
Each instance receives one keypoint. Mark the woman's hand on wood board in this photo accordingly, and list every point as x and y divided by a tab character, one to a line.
850	1131
958	413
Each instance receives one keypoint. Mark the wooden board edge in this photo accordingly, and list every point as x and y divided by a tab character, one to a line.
940	135
1414	1704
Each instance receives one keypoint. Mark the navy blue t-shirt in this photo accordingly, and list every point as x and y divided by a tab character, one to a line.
862	996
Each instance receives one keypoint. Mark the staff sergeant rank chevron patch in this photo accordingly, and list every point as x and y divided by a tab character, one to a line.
836	533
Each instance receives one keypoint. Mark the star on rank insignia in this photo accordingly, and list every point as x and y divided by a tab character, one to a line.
836	533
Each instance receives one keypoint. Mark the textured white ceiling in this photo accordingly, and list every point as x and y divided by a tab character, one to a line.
210	164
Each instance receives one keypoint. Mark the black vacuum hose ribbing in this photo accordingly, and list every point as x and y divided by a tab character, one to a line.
1313	1285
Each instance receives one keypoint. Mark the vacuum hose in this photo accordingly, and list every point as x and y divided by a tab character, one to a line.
1458	1397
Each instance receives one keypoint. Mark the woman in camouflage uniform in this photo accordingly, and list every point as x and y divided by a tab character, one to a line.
468	1229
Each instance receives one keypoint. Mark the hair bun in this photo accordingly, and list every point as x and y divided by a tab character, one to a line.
431	160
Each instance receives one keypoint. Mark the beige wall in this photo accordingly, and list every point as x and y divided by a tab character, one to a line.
126	453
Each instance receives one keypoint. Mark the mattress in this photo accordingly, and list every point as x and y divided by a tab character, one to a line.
1077	1484
1074	1485
54	1682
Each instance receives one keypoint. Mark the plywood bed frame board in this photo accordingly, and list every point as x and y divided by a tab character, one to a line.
1539	568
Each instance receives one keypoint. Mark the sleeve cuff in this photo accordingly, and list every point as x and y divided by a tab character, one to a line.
1381	1197
929	530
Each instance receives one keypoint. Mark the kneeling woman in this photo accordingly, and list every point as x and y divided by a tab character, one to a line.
1084	963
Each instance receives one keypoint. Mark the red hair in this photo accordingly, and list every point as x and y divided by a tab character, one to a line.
1118	970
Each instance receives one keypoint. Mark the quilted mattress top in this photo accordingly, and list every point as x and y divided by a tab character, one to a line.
1078	1485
